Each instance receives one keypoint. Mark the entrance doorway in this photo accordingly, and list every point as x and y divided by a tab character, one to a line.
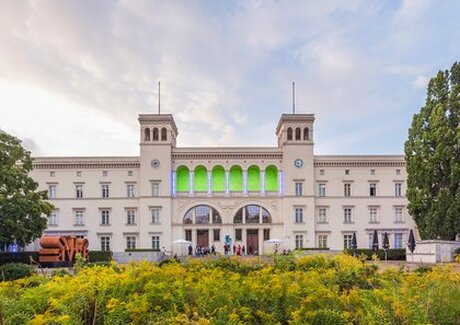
252	241
202	237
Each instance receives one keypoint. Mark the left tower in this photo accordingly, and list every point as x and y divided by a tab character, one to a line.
158	133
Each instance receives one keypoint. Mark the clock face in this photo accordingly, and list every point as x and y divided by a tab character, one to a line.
298	163
155	163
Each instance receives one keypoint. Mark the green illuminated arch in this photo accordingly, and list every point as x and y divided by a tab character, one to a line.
271	179
218	179
201	179
236	179
183	177
254	179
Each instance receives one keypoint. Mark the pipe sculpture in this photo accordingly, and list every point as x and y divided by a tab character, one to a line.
58	250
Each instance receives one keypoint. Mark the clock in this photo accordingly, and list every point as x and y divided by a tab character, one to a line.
155	163
298	163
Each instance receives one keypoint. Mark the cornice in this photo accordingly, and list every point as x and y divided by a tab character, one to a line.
158	119
360	161
294	118
227	153
85	162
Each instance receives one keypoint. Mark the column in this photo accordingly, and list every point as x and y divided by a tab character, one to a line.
209	182
227	182
262	182
245	181
173	183
191	182
280	182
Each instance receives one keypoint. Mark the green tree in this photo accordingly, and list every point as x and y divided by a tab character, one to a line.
433	159
23	209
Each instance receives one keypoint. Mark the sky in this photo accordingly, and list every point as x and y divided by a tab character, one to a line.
74	75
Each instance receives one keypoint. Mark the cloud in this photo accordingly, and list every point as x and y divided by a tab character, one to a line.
225	67
421	82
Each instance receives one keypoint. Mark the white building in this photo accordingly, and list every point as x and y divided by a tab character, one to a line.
248	194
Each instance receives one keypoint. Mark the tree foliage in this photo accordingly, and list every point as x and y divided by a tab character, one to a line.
23	209
433	159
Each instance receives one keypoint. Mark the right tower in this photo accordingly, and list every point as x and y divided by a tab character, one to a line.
295	139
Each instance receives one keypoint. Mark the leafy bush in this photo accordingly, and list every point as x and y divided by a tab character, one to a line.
237	290
13	271
100	256
20	257
393	254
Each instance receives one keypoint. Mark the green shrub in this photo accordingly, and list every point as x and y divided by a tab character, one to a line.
100	256
20	257
393	254
14	271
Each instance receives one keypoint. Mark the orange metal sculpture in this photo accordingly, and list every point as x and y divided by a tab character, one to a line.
62	249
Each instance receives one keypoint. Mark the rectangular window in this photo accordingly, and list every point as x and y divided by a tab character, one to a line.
238	234
371	240
79	218
52	191
155	215
130	190
130	242
322	216
398	171
322	190
322	241
52	174
78	191
347	172
53	218
104	173
266	234
188	235
321	172
130	173
372	171
216	234
373	189
105	190
347	189
298	241
155	189
373	215
131	217
105	243
105	217
78	173
298	215
347	239
298	189
156	243
398	240
398	214
347	217
398	187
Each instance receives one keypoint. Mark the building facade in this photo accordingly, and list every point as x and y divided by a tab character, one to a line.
212	195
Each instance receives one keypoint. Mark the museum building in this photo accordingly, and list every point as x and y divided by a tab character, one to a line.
248	195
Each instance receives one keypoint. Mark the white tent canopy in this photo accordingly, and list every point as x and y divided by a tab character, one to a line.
274	241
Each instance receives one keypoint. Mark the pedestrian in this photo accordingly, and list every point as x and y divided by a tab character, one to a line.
250	250
244	250
190	250
234	249
238	250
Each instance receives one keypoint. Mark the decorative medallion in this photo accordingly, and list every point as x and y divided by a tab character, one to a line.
298	163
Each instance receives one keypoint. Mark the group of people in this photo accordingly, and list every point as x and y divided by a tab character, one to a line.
201	251
238	250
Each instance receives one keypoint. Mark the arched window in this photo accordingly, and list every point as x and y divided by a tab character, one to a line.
297	133
164	136
182	179
254	178
155	134
201	179
202	214
271	179
289	133
306	134
218	179
236	179
252	214
147	134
